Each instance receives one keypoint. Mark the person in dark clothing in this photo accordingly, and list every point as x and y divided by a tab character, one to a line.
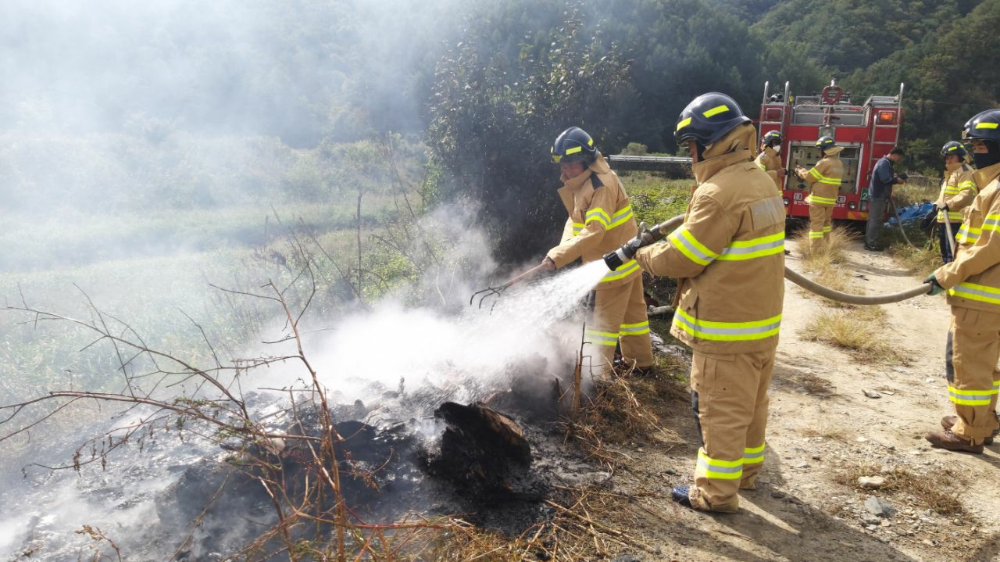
883	178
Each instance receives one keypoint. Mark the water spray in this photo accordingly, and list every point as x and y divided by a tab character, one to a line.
499	289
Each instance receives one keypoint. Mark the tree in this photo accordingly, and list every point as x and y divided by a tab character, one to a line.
493	119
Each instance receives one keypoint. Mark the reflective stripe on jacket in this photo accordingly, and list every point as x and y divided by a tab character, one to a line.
728	257
958	189
824	180
770	161
973	279
600	221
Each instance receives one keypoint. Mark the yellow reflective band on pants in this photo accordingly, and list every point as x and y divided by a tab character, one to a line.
626	269
727	331
973	291
815	234
817	200
827	229
688	245
755	248
718	469
636	329
967	397
600	338
753	455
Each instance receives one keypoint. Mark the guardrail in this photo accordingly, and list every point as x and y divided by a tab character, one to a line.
674	166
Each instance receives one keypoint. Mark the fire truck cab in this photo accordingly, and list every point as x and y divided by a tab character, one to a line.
867	132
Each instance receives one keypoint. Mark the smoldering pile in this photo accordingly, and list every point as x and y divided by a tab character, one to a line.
493	468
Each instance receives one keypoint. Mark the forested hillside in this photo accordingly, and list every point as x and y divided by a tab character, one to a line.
487	86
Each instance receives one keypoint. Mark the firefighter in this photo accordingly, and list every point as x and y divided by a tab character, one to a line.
957	191
600	220
973	284
824	182
729	264
769	160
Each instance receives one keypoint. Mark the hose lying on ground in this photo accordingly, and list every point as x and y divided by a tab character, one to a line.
829	293
661	230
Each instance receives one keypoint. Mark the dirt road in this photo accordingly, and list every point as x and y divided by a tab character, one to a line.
824	432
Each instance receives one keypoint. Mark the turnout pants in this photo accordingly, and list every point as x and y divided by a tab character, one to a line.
729	398
820	225
971	364
619	315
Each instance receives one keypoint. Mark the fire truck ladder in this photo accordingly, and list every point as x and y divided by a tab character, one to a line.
784	109
898	126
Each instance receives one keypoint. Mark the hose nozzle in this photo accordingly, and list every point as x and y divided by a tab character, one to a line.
645	237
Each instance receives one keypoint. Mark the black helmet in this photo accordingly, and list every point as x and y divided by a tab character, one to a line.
708	118
953	147
984	126
574	145
825	143
772	138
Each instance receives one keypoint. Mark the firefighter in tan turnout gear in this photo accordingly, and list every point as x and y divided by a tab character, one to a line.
957	192
600	220
729	261
769	158
973	285
824	182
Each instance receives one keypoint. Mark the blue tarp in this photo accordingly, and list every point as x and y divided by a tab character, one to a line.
911	213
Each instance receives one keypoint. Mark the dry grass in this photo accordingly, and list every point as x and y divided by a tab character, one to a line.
816	386
583	526
627	408
832	253
861	331
920	261
920	490
912	193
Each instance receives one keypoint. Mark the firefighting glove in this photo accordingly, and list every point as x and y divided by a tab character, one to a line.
616	259
936	288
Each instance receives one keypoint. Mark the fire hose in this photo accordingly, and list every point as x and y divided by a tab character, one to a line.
658	232
650	235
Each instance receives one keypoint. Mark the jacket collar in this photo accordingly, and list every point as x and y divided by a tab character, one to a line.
570	187
707	168
986	175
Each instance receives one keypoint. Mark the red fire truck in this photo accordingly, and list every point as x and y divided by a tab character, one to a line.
866	131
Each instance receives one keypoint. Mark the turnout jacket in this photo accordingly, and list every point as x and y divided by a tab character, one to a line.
728	256
770	161
600	221
823	180
973	279
958	189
